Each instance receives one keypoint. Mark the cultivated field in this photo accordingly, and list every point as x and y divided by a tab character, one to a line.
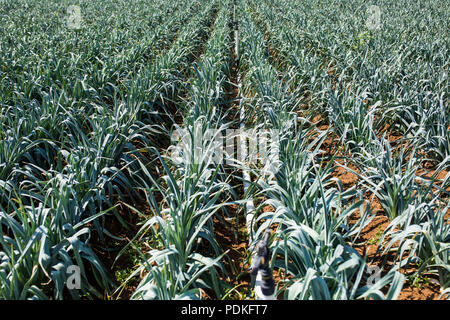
147	146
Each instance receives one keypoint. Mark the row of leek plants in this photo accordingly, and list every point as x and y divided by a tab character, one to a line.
182	258
312	243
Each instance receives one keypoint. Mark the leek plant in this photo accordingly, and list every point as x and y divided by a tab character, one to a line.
420	236
352	120
390	177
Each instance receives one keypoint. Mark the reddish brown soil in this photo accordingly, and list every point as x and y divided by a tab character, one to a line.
429	291
347	178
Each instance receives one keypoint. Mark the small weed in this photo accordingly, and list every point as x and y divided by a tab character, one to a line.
376	239
419	281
